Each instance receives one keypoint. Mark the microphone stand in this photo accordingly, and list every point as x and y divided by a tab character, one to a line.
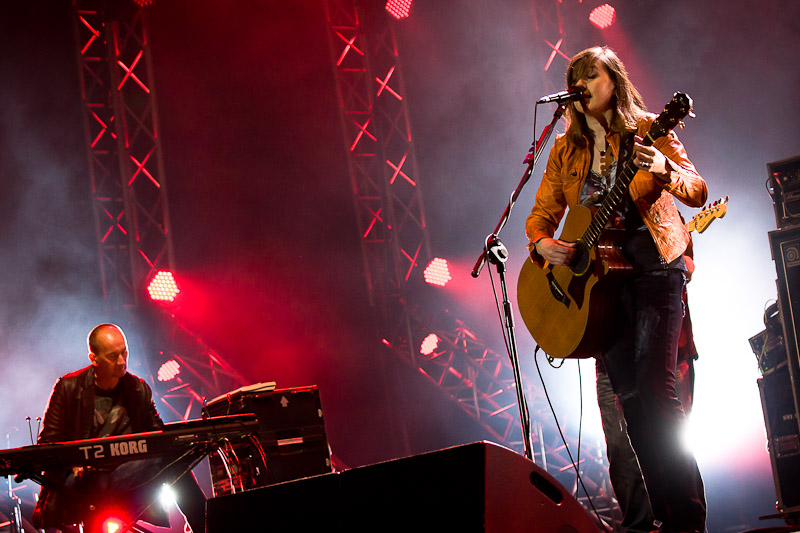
497	254
16	502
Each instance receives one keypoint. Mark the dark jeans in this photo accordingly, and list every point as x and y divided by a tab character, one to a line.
623	467
641	367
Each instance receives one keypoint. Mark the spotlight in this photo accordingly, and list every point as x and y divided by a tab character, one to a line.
167	497
169	370
437	272
429	344
398	8
603	16
162	287
112	525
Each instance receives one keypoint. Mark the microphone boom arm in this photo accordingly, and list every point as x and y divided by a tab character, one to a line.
531	159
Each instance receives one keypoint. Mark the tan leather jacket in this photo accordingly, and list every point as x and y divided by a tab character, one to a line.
566	173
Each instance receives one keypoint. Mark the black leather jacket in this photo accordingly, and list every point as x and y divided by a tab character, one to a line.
69	416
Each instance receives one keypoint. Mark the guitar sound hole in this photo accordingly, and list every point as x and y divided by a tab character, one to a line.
581	259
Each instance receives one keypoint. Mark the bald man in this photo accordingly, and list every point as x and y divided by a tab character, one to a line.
103	400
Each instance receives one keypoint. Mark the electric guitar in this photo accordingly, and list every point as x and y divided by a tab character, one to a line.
565	306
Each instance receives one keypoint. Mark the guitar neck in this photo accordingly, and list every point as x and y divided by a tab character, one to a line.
612	200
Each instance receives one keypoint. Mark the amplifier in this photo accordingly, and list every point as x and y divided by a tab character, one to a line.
783	437
291	433
784	183
780	390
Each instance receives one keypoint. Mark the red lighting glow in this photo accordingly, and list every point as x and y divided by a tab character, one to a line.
429	344
437	272
169	370
112	525
603	16
398	8
162	287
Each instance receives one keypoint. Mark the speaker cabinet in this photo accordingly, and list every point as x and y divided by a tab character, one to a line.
780	394
479	487
785	244
780	418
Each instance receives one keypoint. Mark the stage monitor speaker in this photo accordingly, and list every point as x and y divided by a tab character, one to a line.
475	487
291	431
784	184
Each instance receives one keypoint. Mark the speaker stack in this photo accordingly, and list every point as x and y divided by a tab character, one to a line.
779	356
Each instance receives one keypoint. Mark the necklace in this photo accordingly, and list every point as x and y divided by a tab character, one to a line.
603	161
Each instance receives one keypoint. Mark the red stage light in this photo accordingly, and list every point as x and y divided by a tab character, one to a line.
398	8
169	370
437	272
112	525
429	344
603	16
163	287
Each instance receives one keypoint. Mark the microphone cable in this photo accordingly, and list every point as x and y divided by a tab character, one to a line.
552	409
575	466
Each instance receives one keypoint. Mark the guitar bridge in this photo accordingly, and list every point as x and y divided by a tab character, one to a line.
556	290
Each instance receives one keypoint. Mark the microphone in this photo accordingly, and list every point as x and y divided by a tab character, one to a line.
561	96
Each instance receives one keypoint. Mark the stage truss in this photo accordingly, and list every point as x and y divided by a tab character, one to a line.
381	159
129	196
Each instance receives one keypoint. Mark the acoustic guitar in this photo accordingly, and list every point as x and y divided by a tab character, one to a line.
565	306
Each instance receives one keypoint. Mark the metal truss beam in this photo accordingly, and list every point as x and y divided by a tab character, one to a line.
380	155
129	196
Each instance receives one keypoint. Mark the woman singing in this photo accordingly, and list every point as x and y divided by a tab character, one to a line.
647	314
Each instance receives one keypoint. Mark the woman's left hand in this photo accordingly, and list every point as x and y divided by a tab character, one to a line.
649	158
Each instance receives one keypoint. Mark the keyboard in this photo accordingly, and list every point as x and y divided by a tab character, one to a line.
173	439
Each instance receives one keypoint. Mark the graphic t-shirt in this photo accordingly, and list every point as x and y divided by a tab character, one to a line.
110	415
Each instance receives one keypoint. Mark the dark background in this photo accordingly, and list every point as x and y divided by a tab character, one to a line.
264	229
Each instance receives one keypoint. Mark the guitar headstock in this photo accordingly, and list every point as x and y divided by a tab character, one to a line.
702	220
674	112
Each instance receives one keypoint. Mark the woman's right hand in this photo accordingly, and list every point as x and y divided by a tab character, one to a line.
555	251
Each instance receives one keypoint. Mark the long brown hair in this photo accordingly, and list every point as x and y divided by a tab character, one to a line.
628	105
